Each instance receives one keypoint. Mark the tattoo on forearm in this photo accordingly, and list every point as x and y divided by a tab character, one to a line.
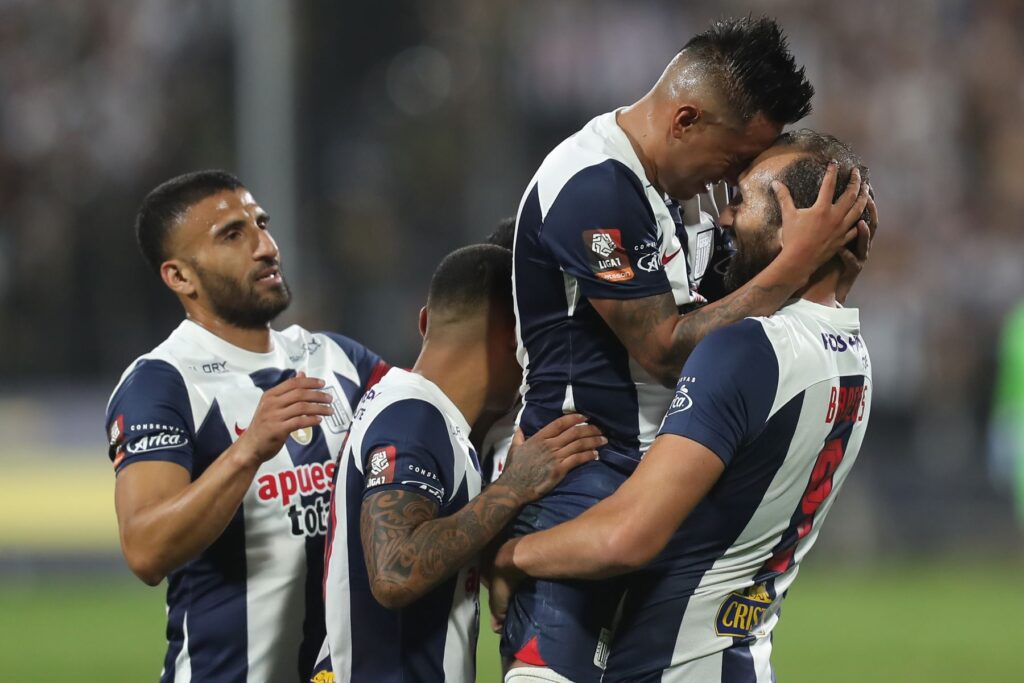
753	299
409	550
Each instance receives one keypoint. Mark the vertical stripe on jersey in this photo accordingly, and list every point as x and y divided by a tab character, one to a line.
710	530
586	354
216	582
177	639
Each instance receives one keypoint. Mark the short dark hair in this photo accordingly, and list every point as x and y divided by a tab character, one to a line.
751	61
504	234
803	177
168	202
472	278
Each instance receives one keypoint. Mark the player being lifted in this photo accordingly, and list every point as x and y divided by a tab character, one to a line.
224	440
408	518
767	419
605	259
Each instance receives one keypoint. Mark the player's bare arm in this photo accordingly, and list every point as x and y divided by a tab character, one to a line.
165	519
660	340
409	550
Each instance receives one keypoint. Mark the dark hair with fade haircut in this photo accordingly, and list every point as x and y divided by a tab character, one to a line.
751	60
504	234
471	279
168	202
803	177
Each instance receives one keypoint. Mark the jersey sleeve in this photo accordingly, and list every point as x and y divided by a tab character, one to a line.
149	417
601	230
370	367
407	447
726	390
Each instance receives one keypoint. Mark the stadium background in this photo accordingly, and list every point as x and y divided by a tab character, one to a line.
382	135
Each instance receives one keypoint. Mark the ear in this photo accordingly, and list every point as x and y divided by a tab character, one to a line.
178	277
423	321
685	117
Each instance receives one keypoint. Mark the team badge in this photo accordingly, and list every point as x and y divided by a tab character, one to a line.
338	421
608	260
303	436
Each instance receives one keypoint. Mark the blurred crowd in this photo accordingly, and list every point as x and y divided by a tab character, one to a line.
420	123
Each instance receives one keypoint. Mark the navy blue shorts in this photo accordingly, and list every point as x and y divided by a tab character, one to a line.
565	625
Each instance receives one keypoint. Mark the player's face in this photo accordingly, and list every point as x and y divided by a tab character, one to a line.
712	150
224	238
750	220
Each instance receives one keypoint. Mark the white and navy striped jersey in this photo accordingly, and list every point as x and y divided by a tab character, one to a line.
591	226
249	607
407	435
784	402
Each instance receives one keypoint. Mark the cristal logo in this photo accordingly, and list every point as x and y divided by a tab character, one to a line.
155	442
680	402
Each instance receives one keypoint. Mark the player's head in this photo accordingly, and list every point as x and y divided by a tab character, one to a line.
504	234
207	239
798	159
722	101
469	306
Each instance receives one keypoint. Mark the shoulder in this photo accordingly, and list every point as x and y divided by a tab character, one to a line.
151	376
736	356
350	347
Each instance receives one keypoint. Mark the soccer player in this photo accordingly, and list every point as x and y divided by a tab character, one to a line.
604	259
408	518
224	439
767	419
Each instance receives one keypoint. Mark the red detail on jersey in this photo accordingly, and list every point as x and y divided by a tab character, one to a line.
669	257
300	480
381	466
117	459
332	521
378	372
530	654
239	430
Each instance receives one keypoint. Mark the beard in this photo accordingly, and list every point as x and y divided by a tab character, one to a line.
752	255
239	303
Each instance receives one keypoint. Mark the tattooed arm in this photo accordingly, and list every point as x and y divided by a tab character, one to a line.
409	549
660	340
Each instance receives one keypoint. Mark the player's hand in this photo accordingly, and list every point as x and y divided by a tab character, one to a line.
811	236
535	467
856	258
505	578
296	403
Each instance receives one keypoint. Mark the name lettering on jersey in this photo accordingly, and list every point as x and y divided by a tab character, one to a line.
155	442
381	466
608	260
743	612
846	404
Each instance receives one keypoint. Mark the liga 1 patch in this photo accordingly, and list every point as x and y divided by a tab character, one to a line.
608	260
743	612
380	466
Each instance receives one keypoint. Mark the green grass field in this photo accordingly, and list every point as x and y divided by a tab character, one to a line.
911	623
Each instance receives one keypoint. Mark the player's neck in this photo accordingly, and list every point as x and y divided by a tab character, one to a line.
821	289
255	340
458	370
635	122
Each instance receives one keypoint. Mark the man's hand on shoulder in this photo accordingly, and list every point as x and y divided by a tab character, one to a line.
538	464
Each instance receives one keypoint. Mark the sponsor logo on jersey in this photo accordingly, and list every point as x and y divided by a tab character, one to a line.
667	258
743	612
608	260
338	421
382	466
680	402
308	517
155	442
323	677
650	263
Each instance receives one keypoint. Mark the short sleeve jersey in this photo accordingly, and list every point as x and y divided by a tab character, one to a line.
407	436
784	402
248	607
591	226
